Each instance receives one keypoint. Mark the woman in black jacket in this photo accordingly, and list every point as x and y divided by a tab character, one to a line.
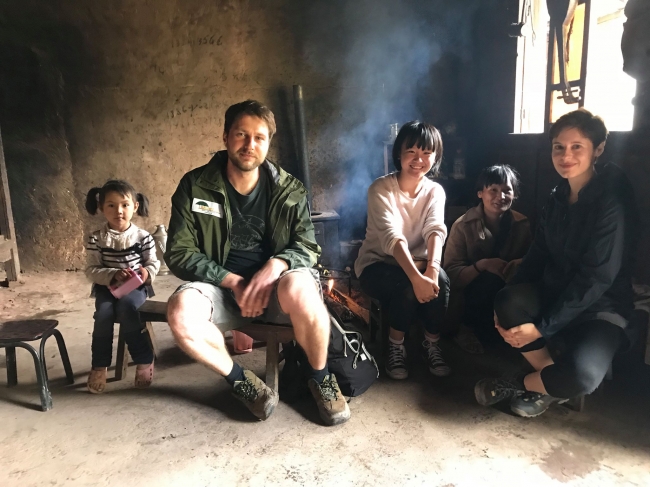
573	289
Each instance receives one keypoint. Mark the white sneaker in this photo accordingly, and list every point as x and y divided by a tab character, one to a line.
396	364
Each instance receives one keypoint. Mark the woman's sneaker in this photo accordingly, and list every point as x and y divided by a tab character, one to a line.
492	391
532	404
396	363
433	356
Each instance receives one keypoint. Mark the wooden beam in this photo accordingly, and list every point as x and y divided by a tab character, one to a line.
6	246
7	230
6	214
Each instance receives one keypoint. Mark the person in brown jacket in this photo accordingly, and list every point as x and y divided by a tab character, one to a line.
483	250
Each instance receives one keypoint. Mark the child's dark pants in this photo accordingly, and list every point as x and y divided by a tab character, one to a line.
109	310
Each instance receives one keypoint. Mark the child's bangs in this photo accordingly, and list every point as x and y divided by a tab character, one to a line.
122	188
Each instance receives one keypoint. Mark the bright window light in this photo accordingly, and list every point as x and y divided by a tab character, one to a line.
608	91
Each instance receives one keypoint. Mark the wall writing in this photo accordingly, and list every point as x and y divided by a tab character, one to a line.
207	40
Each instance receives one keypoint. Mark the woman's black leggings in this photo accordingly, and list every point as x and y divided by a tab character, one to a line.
392	287
584	350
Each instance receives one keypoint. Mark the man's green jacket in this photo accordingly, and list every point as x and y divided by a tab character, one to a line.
199	230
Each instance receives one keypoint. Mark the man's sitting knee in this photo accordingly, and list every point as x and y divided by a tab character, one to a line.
297	284
182	307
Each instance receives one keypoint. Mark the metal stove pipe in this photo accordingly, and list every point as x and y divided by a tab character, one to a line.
301	130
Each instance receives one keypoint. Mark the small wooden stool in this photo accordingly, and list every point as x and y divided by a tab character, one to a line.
271	333
15	333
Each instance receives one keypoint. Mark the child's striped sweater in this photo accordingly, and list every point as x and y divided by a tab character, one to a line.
107	251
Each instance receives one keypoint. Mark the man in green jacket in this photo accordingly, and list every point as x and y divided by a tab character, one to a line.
241	232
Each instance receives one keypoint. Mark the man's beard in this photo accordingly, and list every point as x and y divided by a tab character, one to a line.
249	165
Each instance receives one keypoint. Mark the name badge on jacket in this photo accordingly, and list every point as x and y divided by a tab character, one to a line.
207	207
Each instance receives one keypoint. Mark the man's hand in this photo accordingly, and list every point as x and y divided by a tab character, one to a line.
425	288
495	266
237	284
519	336
255	297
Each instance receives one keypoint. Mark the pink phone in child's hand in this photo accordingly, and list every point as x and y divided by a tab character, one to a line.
122	289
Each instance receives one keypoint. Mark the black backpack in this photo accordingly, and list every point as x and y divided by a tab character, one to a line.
347	358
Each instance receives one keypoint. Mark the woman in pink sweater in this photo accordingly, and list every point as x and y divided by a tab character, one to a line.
399	261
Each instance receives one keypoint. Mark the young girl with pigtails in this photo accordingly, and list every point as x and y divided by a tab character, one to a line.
116	253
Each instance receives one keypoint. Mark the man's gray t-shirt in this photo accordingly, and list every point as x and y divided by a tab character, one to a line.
249	249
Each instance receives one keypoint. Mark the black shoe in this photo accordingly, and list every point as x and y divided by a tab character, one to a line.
492	391
532	404
396	363
435	361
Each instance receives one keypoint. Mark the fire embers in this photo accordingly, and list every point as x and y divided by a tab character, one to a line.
332	280
329	278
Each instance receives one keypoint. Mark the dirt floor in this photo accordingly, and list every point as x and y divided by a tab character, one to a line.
187	430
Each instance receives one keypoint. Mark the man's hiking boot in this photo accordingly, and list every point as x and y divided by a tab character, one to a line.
256	395
332	406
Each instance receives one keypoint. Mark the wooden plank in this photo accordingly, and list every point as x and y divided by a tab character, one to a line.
153	311
260	331
152	338
6	246
12	265
122	360
272	361
6	214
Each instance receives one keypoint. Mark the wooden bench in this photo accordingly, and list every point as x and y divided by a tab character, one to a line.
272	334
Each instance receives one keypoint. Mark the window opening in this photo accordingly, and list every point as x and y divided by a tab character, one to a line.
579	65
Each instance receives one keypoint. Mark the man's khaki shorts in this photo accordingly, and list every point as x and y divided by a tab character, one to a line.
226	315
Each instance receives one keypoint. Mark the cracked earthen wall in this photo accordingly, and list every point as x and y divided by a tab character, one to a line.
137	89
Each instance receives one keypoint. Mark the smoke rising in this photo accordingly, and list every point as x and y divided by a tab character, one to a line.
384	55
